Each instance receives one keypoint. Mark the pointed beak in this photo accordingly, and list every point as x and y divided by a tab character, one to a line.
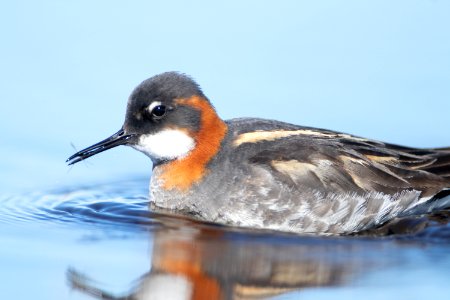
117	139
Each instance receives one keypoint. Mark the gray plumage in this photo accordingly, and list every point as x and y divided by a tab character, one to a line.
341	189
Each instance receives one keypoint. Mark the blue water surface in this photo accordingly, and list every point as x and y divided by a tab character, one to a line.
94	242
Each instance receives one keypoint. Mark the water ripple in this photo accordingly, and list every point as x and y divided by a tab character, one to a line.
118	203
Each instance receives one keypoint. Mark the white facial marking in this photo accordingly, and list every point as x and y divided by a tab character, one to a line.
166	144
153	105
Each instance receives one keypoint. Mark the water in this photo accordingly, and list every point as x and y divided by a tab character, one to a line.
101	242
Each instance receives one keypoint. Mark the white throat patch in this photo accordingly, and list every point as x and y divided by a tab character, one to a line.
166	144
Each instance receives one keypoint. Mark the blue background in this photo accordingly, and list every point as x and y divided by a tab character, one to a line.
378	69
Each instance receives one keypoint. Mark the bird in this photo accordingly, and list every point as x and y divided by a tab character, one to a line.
267	174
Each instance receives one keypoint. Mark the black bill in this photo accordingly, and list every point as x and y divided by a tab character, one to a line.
117	139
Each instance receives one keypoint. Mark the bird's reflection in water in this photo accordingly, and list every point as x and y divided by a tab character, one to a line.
192	261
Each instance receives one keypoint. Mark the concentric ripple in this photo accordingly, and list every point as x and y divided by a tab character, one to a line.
118	203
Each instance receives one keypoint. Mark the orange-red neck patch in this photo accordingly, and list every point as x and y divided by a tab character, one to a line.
181	174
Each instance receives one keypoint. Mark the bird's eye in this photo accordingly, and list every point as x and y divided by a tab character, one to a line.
158	111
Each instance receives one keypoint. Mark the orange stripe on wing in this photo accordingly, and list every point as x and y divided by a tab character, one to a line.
181	174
